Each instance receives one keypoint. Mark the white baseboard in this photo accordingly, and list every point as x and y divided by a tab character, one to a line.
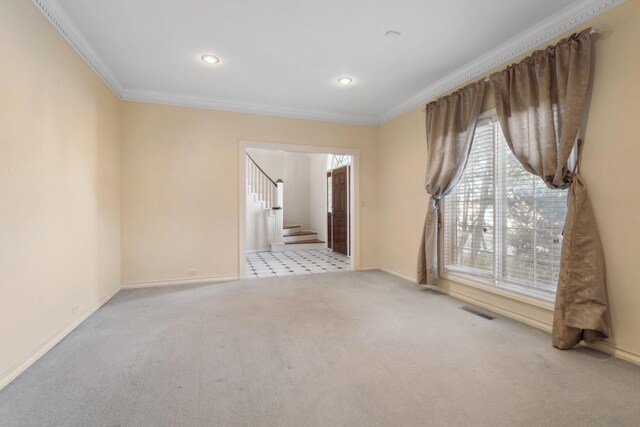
603	346
177	282
251	251
42	349
475	301
369	267
536	323
397	274
283	247
14	372
607	347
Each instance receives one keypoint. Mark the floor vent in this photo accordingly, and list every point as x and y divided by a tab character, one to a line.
476	312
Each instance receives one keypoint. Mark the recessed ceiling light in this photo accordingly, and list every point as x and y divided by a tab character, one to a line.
345	80
210	59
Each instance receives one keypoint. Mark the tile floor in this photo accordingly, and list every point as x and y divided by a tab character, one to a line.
272	264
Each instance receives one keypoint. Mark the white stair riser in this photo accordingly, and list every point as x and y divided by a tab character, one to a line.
299	238
292	230
299	247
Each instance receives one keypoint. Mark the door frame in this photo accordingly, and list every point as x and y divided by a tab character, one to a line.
349	207
354	193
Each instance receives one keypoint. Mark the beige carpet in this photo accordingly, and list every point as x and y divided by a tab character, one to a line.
335	349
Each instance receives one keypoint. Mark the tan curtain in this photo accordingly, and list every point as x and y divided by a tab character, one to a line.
540	103
451	122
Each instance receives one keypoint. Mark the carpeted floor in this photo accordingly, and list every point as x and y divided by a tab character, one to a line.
335	349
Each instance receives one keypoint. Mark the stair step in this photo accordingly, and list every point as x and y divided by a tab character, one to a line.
304	241
301	233
291	229
290	236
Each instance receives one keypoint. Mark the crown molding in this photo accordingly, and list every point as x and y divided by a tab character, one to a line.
563	21
59	19
62	23
236	107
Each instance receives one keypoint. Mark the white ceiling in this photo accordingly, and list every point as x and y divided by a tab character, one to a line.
283	56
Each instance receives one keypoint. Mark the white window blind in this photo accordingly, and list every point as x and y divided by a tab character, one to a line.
502	224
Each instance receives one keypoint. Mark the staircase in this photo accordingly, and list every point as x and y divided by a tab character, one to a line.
269	194
297	239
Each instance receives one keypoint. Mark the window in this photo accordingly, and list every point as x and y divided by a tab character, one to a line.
338	160
502	224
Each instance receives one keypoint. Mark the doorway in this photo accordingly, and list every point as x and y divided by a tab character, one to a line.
311	260
338	207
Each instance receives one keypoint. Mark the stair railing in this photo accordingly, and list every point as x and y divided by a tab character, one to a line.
268	192
260	184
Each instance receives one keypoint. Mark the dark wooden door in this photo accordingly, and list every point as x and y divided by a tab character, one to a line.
329	211
340	210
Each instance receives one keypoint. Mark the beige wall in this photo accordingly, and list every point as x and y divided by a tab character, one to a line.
609	167
180	186
75	163
59	186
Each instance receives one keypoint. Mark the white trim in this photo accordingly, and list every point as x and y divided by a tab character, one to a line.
497	309
178	282
607	347
60	20
557	24
72	35
283	247
354	259
398	274
472	282
225	105
13	372
252	251
603	346
563	21
480	303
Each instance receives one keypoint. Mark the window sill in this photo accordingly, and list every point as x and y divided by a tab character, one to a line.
474	282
